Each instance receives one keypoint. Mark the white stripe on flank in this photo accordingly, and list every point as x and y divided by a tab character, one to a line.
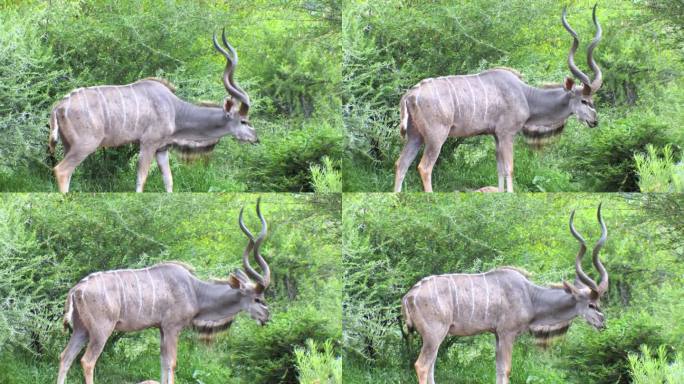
422	117
458	102
87	106
486	98
123	293
487	294
472	101
66	109
137	107
154	292
439	99
85	309
140	298
435	294
105	108
103	289
472	297
451	96
455	290
123	108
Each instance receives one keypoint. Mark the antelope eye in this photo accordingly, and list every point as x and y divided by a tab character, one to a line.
593	306
585	102
257	300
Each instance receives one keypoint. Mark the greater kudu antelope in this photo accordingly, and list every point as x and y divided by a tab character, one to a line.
167	296
502	301
495	102
146	112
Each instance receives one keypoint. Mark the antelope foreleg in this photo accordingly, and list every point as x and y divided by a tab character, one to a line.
504	157
144	162
169	347
504	354
163	163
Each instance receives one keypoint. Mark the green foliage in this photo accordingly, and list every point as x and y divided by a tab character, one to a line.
606	160
646	368
659	175
289	65
326	179
391	45
318	364
391	241
274	347
603	357
49	242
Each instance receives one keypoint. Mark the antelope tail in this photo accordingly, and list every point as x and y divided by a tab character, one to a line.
406	315
404	113
68	320
54	133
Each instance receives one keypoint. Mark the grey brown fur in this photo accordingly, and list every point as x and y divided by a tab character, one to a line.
147	113
503	301
495	102
167	296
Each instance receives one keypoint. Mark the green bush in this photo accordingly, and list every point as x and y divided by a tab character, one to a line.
318	365
605	160
326	178
603	357
648	369
275	345
659	174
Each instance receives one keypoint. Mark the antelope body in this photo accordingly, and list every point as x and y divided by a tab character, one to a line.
495	102
148	113
504	302
167	296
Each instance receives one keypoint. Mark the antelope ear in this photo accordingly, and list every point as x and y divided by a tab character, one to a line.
260	288
228	105
233	281
594	295
569	288
586	91
568	84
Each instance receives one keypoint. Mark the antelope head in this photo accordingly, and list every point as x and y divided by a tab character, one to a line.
581	102
236	106
587	292
250	283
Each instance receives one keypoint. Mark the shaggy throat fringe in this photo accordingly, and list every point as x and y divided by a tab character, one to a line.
544	335
208	329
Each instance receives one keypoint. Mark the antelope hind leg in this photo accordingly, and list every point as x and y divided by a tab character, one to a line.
76	342
66	167
427	163
408	154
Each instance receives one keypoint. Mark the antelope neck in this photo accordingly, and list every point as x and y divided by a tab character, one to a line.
548	106
193	118
552	305
217	300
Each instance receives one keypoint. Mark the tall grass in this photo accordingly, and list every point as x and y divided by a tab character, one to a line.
318	364
658	171
649	368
